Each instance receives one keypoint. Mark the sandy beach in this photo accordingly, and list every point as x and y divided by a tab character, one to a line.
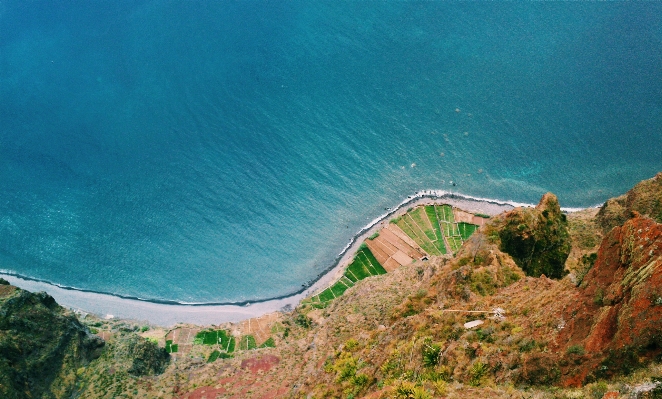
104	305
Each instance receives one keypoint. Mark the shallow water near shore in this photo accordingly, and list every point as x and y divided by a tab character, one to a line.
228	152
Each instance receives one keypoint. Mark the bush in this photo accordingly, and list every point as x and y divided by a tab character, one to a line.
526	345
476	372
431	354
303	321
575	350
407	390
351	344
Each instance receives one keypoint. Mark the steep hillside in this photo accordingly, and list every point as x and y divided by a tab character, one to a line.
534	304
645	198
41	346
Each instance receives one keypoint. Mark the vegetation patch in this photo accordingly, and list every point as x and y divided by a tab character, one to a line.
247	342
538	239
364	265
466	229
213	356
221	338
170	347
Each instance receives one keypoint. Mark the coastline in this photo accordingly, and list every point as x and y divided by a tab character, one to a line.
168	313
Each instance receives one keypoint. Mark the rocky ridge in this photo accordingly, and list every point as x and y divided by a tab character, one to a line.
579	300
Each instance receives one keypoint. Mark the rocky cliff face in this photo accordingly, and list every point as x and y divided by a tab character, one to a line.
537	239
644	198
404	334
41	346
618	317
46	352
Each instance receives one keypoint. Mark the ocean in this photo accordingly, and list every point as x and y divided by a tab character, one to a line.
227	151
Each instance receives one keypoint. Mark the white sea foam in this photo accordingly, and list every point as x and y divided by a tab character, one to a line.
161	313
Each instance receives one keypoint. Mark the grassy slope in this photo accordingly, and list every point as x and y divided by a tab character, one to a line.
382	331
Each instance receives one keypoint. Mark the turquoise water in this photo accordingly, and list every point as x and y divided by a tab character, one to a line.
227	151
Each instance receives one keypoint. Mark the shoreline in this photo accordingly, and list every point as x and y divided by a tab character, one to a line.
167	313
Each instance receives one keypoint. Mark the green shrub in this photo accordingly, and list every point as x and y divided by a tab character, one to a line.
351	344
476	373
431	354
303	321
482	283
599	297
575	350
408	390
598	390
526	345
586	263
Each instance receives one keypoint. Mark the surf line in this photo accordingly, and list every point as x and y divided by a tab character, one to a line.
423	194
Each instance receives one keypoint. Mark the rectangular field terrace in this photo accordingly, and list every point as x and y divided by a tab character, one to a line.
427	230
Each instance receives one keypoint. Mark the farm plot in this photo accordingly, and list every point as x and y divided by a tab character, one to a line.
422	225
393	248
180	340
424	230
436	229
364	265
260	327
455	233
224	341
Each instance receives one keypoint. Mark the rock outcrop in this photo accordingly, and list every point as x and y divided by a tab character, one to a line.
41	346
538	238
618	319
644	198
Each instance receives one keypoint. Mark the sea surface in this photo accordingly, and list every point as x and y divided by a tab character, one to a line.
224	151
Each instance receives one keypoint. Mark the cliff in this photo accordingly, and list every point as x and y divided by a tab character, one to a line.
46	352
644	198
41	346
535	303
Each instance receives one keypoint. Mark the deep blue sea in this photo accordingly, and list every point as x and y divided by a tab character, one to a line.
217	151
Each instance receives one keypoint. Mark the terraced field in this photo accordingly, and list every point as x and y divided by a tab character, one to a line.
422	231
364	265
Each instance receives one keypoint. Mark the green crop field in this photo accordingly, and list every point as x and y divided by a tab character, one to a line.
170	347
420	218
420	229
326	295
213	356
432	217
409	227
466	229
427	225
364	265
338	288
247	343
215	337
369	259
